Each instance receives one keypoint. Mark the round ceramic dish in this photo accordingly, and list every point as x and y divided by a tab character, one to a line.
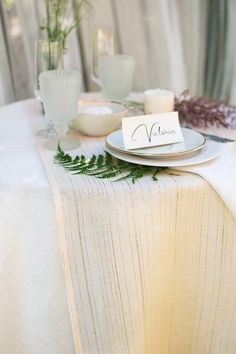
99	117
209	152
193	141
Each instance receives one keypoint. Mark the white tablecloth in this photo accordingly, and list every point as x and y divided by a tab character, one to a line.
34	315
177	232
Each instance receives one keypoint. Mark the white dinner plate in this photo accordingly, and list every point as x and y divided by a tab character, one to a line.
193	141
209	152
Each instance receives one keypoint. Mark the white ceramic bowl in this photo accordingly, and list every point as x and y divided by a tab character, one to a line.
99	117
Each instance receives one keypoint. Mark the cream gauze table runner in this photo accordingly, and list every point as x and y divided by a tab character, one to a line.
150	267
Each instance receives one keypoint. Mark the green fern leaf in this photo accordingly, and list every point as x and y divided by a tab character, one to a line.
104	167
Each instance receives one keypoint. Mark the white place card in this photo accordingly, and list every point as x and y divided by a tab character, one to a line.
151	130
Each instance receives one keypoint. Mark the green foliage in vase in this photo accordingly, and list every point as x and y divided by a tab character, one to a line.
105	166
62	17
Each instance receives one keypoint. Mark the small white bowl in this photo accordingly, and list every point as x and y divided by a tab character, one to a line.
99	117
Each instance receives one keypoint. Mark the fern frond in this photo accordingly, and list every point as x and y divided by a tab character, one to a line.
104	167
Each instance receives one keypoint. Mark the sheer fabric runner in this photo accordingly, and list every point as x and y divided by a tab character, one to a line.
149	267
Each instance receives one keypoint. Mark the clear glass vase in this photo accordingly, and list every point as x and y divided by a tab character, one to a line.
103	44
48	56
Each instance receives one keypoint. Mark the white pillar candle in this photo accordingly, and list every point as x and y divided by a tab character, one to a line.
158	101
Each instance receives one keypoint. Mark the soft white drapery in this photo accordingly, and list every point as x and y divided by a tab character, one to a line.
167	39
177	44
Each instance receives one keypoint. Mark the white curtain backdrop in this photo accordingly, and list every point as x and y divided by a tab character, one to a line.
168	38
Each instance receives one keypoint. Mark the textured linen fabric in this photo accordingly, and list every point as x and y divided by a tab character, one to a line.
34	317
150	267
221	174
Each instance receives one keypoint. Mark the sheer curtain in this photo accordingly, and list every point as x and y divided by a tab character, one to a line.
229	74
167	38
221	45
177	44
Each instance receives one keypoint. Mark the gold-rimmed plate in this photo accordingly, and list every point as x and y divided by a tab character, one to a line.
210	151
193	141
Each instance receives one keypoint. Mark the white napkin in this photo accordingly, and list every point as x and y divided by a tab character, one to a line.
221	174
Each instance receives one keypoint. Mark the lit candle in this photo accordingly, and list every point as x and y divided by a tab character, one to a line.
158	101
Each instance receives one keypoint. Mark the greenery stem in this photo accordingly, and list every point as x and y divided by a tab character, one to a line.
58	14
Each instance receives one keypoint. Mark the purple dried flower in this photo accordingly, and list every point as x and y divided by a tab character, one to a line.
204	111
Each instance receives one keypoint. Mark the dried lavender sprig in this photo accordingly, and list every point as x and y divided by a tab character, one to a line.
204	111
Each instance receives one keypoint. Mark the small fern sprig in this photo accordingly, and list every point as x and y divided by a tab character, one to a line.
105	167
